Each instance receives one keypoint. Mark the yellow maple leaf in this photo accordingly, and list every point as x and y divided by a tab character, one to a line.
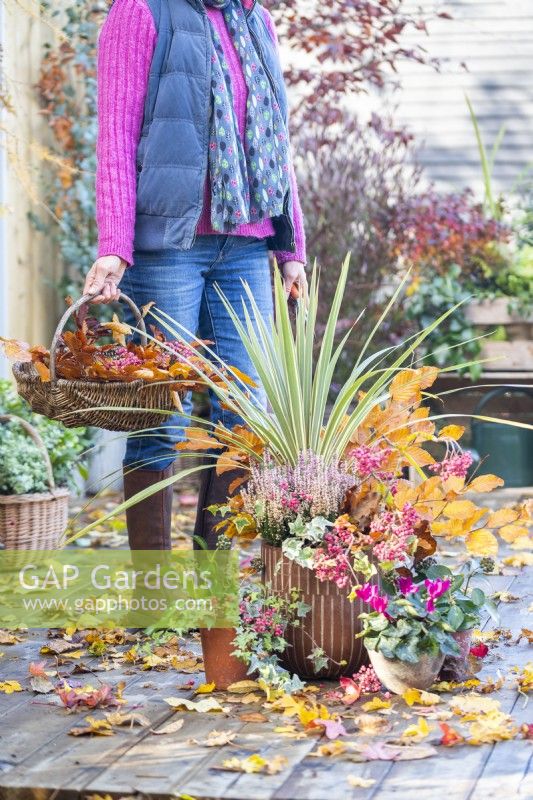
8	687
376	704
492	727
417	732
420	697
473	704
205	688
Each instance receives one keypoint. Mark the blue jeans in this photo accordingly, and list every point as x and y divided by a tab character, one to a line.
182	284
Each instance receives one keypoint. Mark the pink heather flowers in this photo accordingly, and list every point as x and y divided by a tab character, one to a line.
369	593
455	465
435	589
277	494
398	526
331	562
368	461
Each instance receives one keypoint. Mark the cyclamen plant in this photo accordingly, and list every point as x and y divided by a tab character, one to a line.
411	620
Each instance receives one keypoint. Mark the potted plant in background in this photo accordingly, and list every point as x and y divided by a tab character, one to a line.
39	459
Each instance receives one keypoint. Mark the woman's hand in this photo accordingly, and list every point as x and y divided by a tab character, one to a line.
104	278
295	281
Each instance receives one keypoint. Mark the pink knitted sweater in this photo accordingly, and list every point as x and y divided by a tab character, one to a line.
125	49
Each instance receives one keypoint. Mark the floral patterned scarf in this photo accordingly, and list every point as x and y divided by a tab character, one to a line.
249	180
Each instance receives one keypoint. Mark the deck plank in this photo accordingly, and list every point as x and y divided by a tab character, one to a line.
41	761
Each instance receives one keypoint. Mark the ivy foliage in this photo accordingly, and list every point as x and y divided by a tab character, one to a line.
22	468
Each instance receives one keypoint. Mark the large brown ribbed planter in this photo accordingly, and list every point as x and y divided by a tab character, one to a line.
331	624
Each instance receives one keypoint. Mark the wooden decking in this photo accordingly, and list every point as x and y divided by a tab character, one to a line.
39	759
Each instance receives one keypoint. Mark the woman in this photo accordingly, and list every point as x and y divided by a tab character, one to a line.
194	185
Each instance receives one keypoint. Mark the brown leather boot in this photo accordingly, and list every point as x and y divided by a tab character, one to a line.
149	521
214	489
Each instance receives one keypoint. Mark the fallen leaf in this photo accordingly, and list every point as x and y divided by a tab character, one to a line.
360	783
420	697
6	637
201	706
96	727
73	697
492	727
8	687
371	724
505	597
330	749
132	718
525	633
205	688
215	739
473	704
450	737
171	727
253	716
519	560
244	687
382	751
376	704
479	650
333	728
417	732
42	684
255	763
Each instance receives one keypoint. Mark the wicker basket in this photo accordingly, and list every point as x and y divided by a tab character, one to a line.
112	405
33	521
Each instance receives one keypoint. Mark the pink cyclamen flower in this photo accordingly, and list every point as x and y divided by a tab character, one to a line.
406	585
435	589
370	594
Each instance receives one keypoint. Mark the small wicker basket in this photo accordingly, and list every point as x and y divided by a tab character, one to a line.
112	405
33	521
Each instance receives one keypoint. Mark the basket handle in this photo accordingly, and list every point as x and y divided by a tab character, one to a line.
31	431
73	308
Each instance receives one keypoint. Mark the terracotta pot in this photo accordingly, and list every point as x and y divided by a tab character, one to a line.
221	668
398	676
456	668
331	623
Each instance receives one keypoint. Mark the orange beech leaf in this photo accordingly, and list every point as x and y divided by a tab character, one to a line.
15	350
461	509
198	439
485	483
405	387
146	308
482	543
510	533
501	517
44	372
451	432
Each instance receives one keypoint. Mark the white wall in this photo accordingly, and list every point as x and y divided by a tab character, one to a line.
495	40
